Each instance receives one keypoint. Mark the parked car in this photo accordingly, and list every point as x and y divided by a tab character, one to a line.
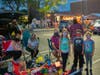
63	24
97	27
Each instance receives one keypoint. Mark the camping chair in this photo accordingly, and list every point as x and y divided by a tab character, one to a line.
50	47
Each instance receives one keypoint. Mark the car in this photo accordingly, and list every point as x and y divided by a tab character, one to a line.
97	27
63	24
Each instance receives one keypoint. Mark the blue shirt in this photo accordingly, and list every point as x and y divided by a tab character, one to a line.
33	43
88	46
64	45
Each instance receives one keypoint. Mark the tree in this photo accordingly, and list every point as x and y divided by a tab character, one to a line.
35	7
42	6
13	5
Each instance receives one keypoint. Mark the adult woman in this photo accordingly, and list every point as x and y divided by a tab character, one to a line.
33	44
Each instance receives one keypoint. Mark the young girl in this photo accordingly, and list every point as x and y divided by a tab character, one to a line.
64	47
89	51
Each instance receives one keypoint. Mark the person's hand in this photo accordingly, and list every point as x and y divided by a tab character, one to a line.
59	51
92	54
82	53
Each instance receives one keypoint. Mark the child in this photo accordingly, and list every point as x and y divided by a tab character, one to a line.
64	47
78	50
89	51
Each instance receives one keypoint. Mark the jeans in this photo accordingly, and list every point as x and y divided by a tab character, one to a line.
78	57
64	60
88	60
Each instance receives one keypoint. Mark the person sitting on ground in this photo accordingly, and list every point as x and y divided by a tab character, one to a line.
55	44
33	45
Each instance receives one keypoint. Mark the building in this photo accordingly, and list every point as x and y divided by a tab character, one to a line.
85	7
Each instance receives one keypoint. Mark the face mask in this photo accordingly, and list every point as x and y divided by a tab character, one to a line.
56	34
88	36
64	34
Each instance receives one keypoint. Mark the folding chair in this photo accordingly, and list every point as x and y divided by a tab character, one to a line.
50	47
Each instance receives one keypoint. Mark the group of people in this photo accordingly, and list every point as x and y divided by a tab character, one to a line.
13	48
74	38
61	44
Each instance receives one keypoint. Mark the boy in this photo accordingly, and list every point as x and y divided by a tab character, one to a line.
89	51
78	50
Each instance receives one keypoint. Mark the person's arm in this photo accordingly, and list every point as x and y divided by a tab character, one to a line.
29	44
93	49
69	47
82	30
83	49
53	45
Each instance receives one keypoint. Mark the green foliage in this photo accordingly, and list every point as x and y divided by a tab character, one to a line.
48	4
13	5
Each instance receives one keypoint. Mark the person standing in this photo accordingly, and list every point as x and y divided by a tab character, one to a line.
64	47
89	51
55	44
75	27
78	44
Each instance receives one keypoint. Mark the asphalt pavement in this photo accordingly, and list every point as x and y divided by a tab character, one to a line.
44	34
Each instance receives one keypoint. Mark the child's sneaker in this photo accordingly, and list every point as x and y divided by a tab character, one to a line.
91	72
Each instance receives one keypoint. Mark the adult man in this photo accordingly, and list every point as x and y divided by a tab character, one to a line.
75	27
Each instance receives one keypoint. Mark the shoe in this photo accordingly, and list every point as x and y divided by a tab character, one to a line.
86	69
87	73
91	72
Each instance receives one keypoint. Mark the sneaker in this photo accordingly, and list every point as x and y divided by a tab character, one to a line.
87	73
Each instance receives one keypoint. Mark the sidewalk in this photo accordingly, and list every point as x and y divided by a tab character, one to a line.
43	29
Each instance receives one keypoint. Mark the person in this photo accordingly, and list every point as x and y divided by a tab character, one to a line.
78	44
89	47
33	45
14	29
64	47
26	35
75	27
55	44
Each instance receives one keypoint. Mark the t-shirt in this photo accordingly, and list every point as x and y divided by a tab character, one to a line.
64	45
26	35
73	29
33	43
55	40
78	44
88	46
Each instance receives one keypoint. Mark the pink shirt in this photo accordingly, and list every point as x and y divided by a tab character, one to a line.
55	40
